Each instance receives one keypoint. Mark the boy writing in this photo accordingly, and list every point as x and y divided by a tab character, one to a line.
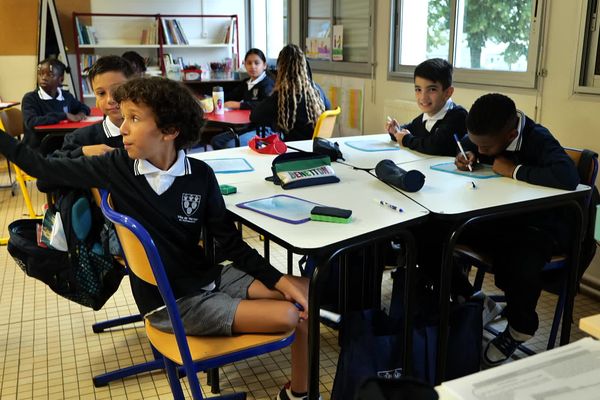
49	104
518	148
148	180
433	131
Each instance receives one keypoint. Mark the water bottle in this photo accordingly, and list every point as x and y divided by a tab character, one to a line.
218	100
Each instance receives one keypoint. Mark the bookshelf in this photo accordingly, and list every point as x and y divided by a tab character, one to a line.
163	39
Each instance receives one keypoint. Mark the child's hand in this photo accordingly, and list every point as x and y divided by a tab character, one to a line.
75	117
295	289
462	163
391	126
399	135
503	166
235	105
96	149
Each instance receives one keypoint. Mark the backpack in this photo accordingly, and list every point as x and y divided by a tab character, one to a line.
86	273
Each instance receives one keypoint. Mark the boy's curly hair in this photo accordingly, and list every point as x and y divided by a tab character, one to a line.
57	66
174	106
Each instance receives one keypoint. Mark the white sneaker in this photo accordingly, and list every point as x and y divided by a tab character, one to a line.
491	309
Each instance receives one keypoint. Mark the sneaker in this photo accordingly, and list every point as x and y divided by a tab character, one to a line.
286	394
491	309
499	349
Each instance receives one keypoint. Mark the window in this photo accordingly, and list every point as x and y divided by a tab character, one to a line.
321	23
488	42
588	59
269	26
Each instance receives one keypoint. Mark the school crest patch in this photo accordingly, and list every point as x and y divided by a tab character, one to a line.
190	203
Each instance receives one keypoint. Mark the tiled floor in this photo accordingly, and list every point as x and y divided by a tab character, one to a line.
48	349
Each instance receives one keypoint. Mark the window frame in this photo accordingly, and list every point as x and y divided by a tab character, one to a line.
526	79
350	68
587	47
272	62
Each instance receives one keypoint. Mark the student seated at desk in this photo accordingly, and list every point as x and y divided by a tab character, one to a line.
433	131
49	104
105	75
246	95
137	62
520	149
296	103
147	181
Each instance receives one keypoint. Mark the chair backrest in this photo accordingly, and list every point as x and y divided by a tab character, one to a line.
12	119
144	261
587	174
326	123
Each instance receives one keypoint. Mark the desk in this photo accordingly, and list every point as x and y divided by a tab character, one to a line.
368	159
8	104
370	223
232	120
450	197
66	126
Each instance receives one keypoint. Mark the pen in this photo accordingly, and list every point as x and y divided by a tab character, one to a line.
385	203
462	151
389	120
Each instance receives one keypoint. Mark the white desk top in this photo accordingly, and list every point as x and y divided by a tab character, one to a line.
368	159
356	191
446	193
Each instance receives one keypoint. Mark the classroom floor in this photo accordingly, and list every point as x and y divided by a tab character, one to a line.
48	349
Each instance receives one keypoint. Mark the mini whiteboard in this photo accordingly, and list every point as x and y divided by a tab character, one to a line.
373	145
480	171
229	165
290	209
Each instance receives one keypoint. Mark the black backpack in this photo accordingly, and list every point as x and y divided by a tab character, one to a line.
86	274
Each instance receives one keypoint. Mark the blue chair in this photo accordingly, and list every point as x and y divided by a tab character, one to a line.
557	266
194	353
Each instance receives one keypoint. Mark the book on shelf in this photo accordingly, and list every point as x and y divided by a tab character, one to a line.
166	36
181	32
228	38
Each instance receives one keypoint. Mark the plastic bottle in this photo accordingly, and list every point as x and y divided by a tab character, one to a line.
218	100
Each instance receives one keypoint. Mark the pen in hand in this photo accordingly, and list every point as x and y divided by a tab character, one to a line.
462	151
390	120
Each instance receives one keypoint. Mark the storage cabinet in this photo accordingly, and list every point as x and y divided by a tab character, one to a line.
164	40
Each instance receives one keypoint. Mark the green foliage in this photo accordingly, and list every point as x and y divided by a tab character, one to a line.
506	21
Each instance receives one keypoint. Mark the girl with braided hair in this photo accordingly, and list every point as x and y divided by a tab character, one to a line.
296	102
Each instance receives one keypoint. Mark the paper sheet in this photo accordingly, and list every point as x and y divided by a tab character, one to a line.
229	165
480	171
93	118
285	208
373	145
565	373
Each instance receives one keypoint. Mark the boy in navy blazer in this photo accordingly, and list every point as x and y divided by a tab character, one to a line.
432	132
520	149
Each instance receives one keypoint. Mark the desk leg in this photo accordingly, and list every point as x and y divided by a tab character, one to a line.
579	218
446	273
314	302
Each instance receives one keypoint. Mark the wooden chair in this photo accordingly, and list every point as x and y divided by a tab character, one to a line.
194	353
558	264
326	123
12	119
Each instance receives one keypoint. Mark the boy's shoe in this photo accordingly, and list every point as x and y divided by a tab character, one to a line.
286	394
499	349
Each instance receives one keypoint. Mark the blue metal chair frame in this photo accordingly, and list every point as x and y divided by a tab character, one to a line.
190	366
557	263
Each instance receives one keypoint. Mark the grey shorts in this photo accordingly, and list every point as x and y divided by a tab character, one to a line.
209	313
